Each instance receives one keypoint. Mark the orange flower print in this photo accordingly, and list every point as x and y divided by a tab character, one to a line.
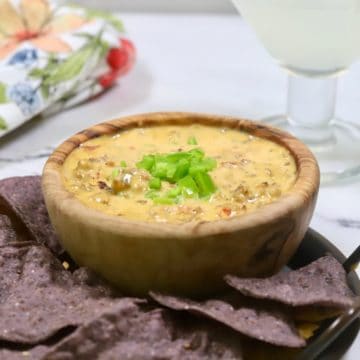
34	21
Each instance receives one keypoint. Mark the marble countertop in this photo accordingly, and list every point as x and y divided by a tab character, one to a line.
201	63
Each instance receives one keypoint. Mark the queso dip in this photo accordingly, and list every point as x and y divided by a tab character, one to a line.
178	174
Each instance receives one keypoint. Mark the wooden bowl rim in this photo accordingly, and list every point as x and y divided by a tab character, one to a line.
304	189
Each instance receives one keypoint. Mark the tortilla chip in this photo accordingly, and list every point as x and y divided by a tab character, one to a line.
88	279
11	231
126	332
321	283
38	297
35	353
7	233
22	200
264	323
315	313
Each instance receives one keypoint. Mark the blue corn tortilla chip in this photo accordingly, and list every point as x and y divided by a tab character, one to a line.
36	353
22	201
7	232
321	283
11	231
126	332
38	297
267	324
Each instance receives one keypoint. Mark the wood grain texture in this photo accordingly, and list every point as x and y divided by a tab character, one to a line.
189	258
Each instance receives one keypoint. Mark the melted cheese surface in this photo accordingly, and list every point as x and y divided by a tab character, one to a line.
250	172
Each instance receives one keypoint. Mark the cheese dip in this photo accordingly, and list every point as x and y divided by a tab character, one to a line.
177	174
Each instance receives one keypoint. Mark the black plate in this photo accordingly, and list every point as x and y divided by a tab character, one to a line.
312	247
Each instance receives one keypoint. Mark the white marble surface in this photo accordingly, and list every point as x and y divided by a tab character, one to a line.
197	63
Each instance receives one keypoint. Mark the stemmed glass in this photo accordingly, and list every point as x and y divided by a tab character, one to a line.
315	41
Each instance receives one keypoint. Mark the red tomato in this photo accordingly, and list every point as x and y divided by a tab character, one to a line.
108	79
120	60
117	58
128	46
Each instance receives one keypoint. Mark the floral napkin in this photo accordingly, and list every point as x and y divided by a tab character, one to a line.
53	57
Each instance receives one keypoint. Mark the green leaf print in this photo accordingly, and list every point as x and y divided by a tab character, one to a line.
3	97
97	41
41	73
45	91
57	71
112	19
3	124
36	73
104	48
69	68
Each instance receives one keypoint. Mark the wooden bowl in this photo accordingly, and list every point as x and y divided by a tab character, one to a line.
189	258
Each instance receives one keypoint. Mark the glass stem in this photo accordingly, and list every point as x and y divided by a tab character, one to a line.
311	107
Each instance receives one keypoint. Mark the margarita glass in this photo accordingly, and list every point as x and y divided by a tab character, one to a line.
315	41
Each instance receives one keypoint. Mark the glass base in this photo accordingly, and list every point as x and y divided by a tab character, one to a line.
336	147
313	73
